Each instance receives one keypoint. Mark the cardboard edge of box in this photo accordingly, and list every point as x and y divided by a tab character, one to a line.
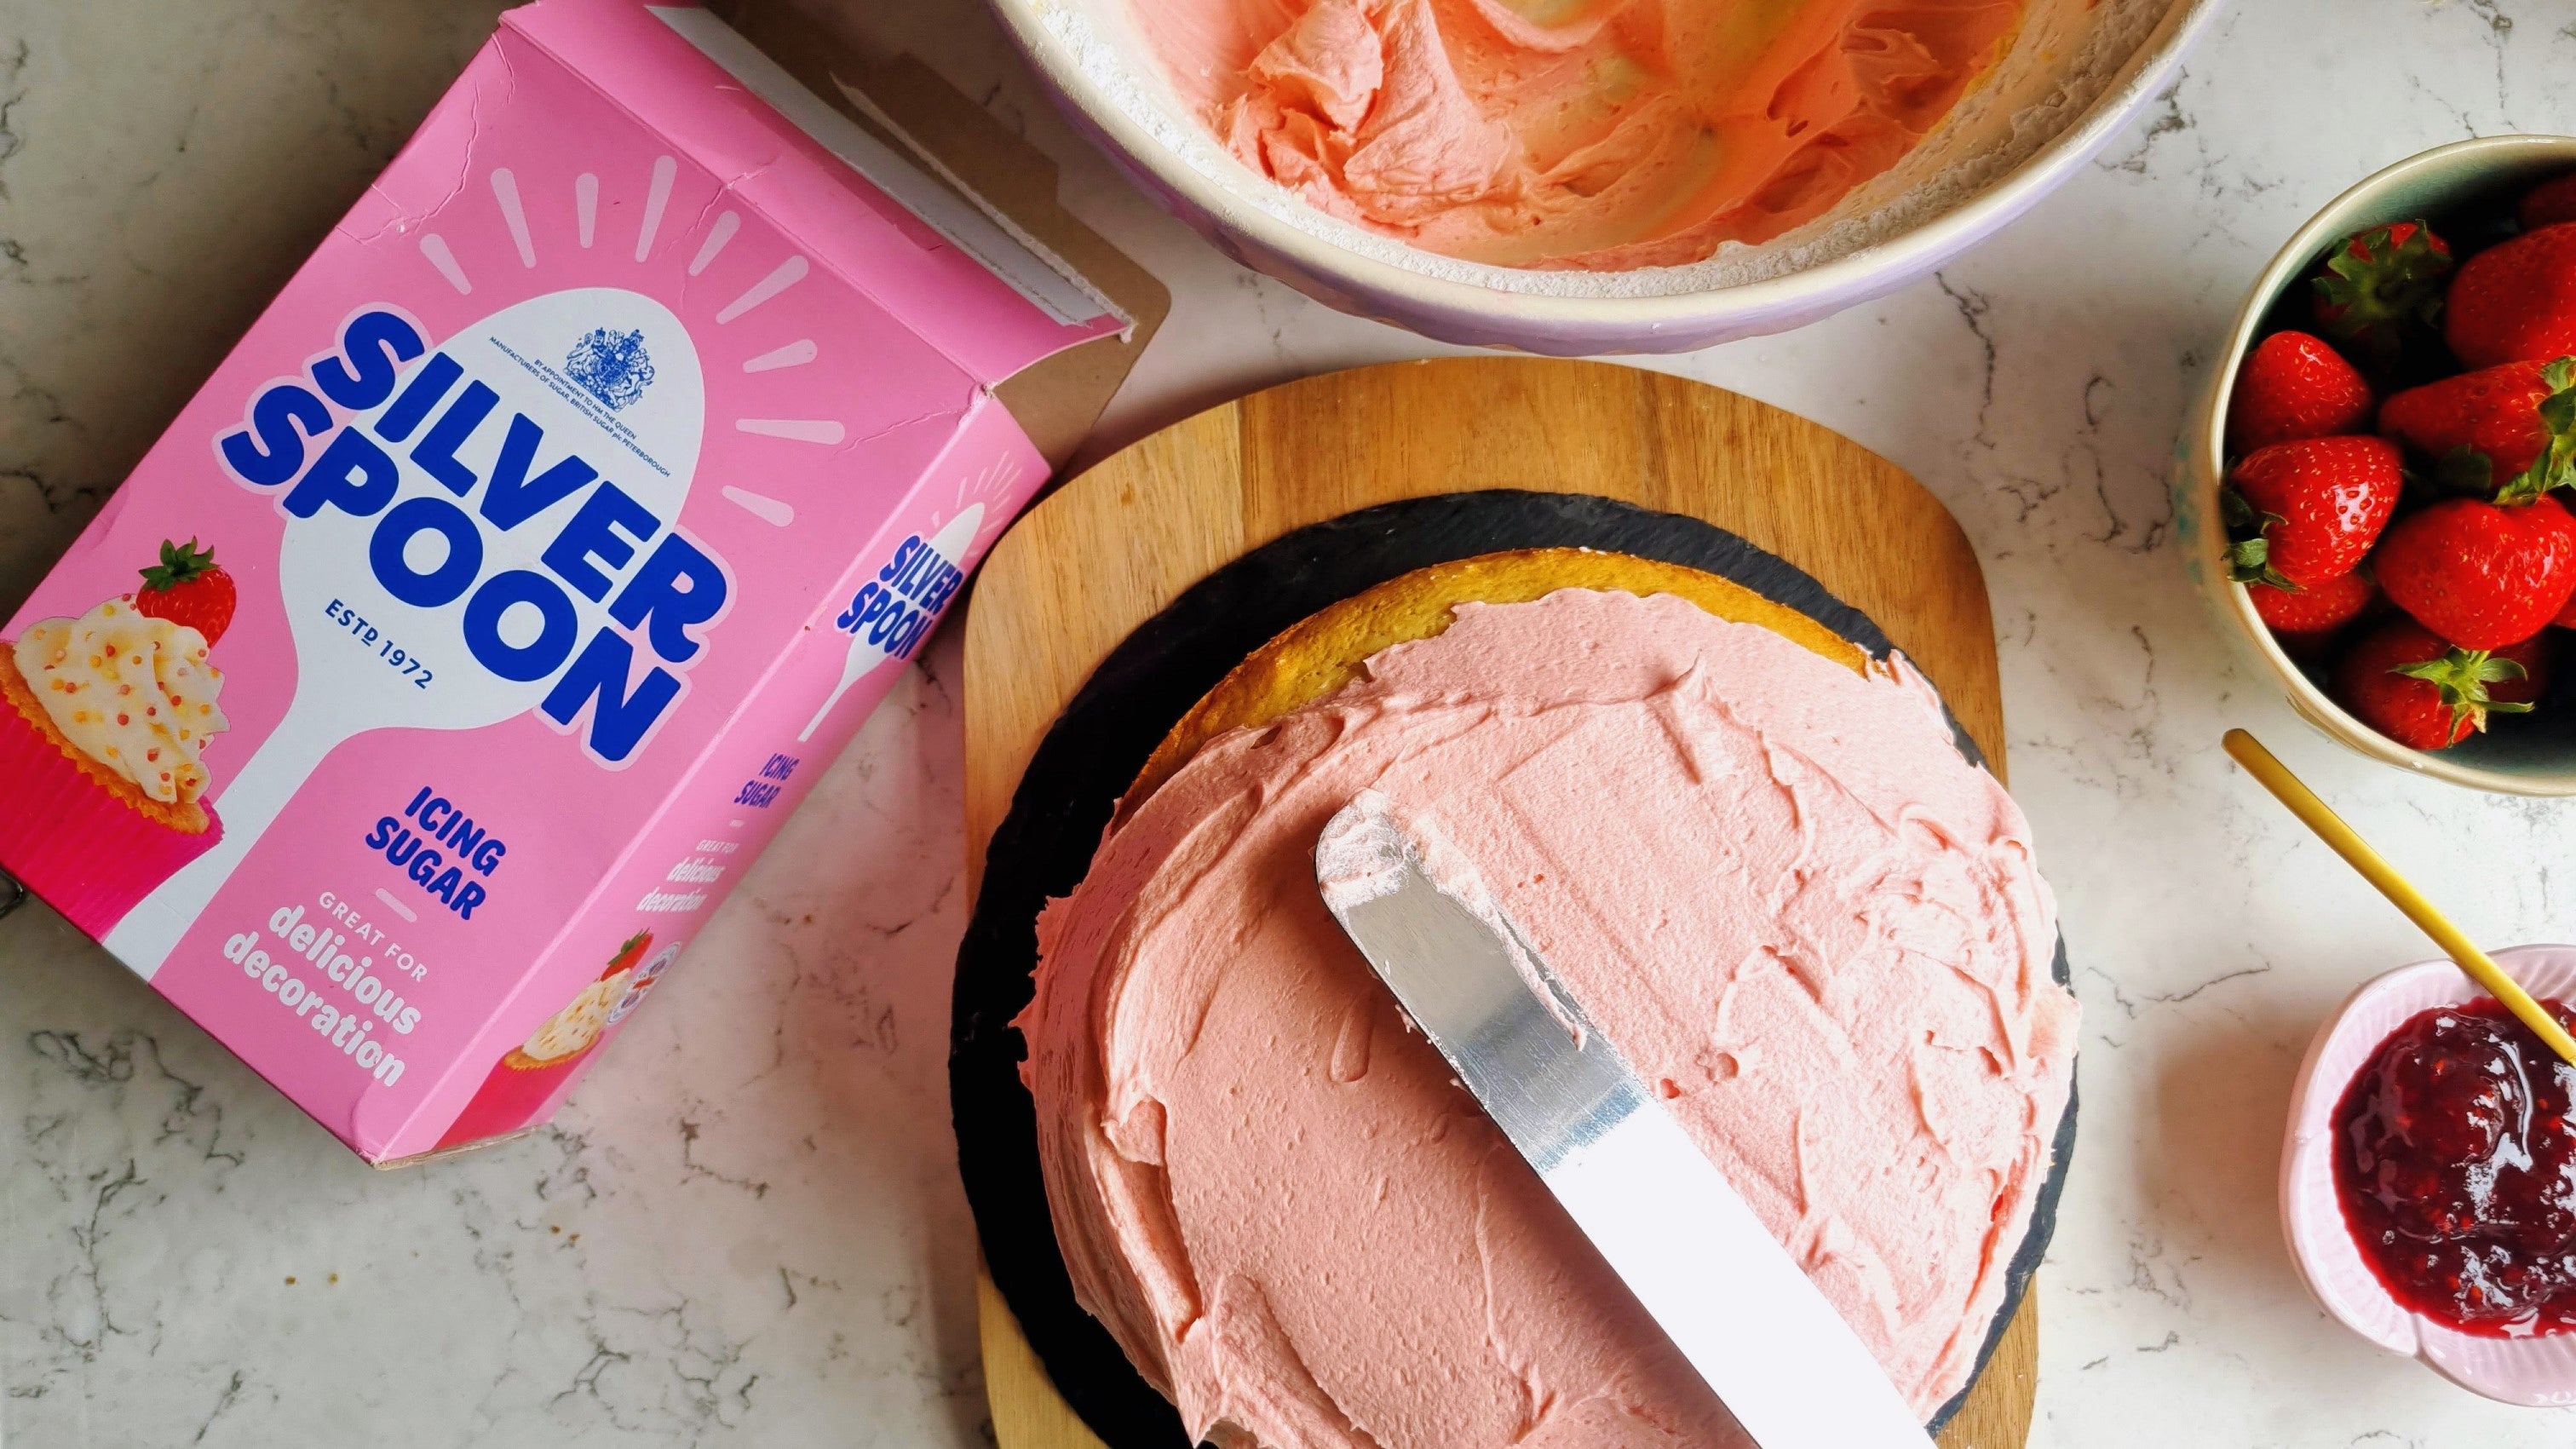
1055	400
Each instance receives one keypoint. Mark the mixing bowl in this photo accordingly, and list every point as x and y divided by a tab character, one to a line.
2075	74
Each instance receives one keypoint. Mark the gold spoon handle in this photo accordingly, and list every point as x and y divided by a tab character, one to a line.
2330	828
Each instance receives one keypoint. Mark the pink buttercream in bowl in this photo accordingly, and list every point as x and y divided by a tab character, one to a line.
1442	169
2538	1372
1601	136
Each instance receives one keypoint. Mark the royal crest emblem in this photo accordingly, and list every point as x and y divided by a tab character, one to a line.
611	366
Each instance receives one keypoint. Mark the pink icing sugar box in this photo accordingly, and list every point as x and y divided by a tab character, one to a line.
458	646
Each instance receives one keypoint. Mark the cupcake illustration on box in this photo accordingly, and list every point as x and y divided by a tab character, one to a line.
105	725
527	1078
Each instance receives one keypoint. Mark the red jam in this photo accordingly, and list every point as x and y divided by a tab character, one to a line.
2456	1162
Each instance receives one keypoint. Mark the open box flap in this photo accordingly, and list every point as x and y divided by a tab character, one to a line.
1057	400
949	269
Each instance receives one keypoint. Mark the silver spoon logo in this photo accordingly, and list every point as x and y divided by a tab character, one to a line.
472	533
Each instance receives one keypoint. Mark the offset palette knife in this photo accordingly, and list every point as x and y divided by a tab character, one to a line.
1714	1279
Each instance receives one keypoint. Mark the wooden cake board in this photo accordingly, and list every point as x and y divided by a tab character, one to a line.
1113	547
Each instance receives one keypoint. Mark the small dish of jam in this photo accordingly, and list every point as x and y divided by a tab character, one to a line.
2428	1181
2456	1162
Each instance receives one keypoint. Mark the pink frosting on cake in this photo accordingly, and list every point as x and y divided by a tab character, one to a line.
1773	882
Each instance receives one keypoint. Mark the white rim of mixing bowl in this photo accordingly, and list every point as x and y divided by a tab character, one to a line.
1911	253
2335	219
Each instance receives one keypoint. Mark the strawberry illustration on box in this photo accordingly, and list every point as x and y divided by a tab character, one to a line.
104	737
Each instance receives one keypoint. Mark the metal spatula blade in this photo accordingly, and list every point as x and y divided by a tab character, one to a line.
1703	1266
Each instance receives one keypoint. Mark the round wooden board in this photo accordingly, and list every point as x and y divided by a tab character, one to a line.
1113	547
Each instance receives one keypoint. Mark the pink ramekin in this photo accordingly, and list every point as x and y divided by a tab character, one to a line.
2538	1372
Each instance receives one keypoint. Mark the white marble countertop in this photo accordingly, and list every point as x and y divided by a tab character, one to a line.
747	1228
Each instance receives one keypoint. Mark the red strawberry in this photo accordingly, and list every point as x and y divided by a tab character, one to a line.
2383	283
2516	302
188	587
2304	512
2525	690
2488	427
2409	684
2548	204
2294	386
2315	610
2481	574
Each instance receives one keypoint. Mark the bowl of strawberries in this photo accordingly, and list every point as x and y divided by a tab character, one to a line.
2379	483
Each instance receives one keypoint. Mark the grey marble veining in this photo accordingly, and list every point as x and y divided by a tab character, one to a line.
746	1228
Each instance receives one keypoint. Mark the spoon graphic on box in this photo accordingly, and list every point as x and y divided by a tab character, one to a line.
472	532
879	621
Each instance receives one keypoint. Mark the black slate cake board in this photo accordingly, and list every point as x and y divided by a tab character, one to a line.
1087	760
